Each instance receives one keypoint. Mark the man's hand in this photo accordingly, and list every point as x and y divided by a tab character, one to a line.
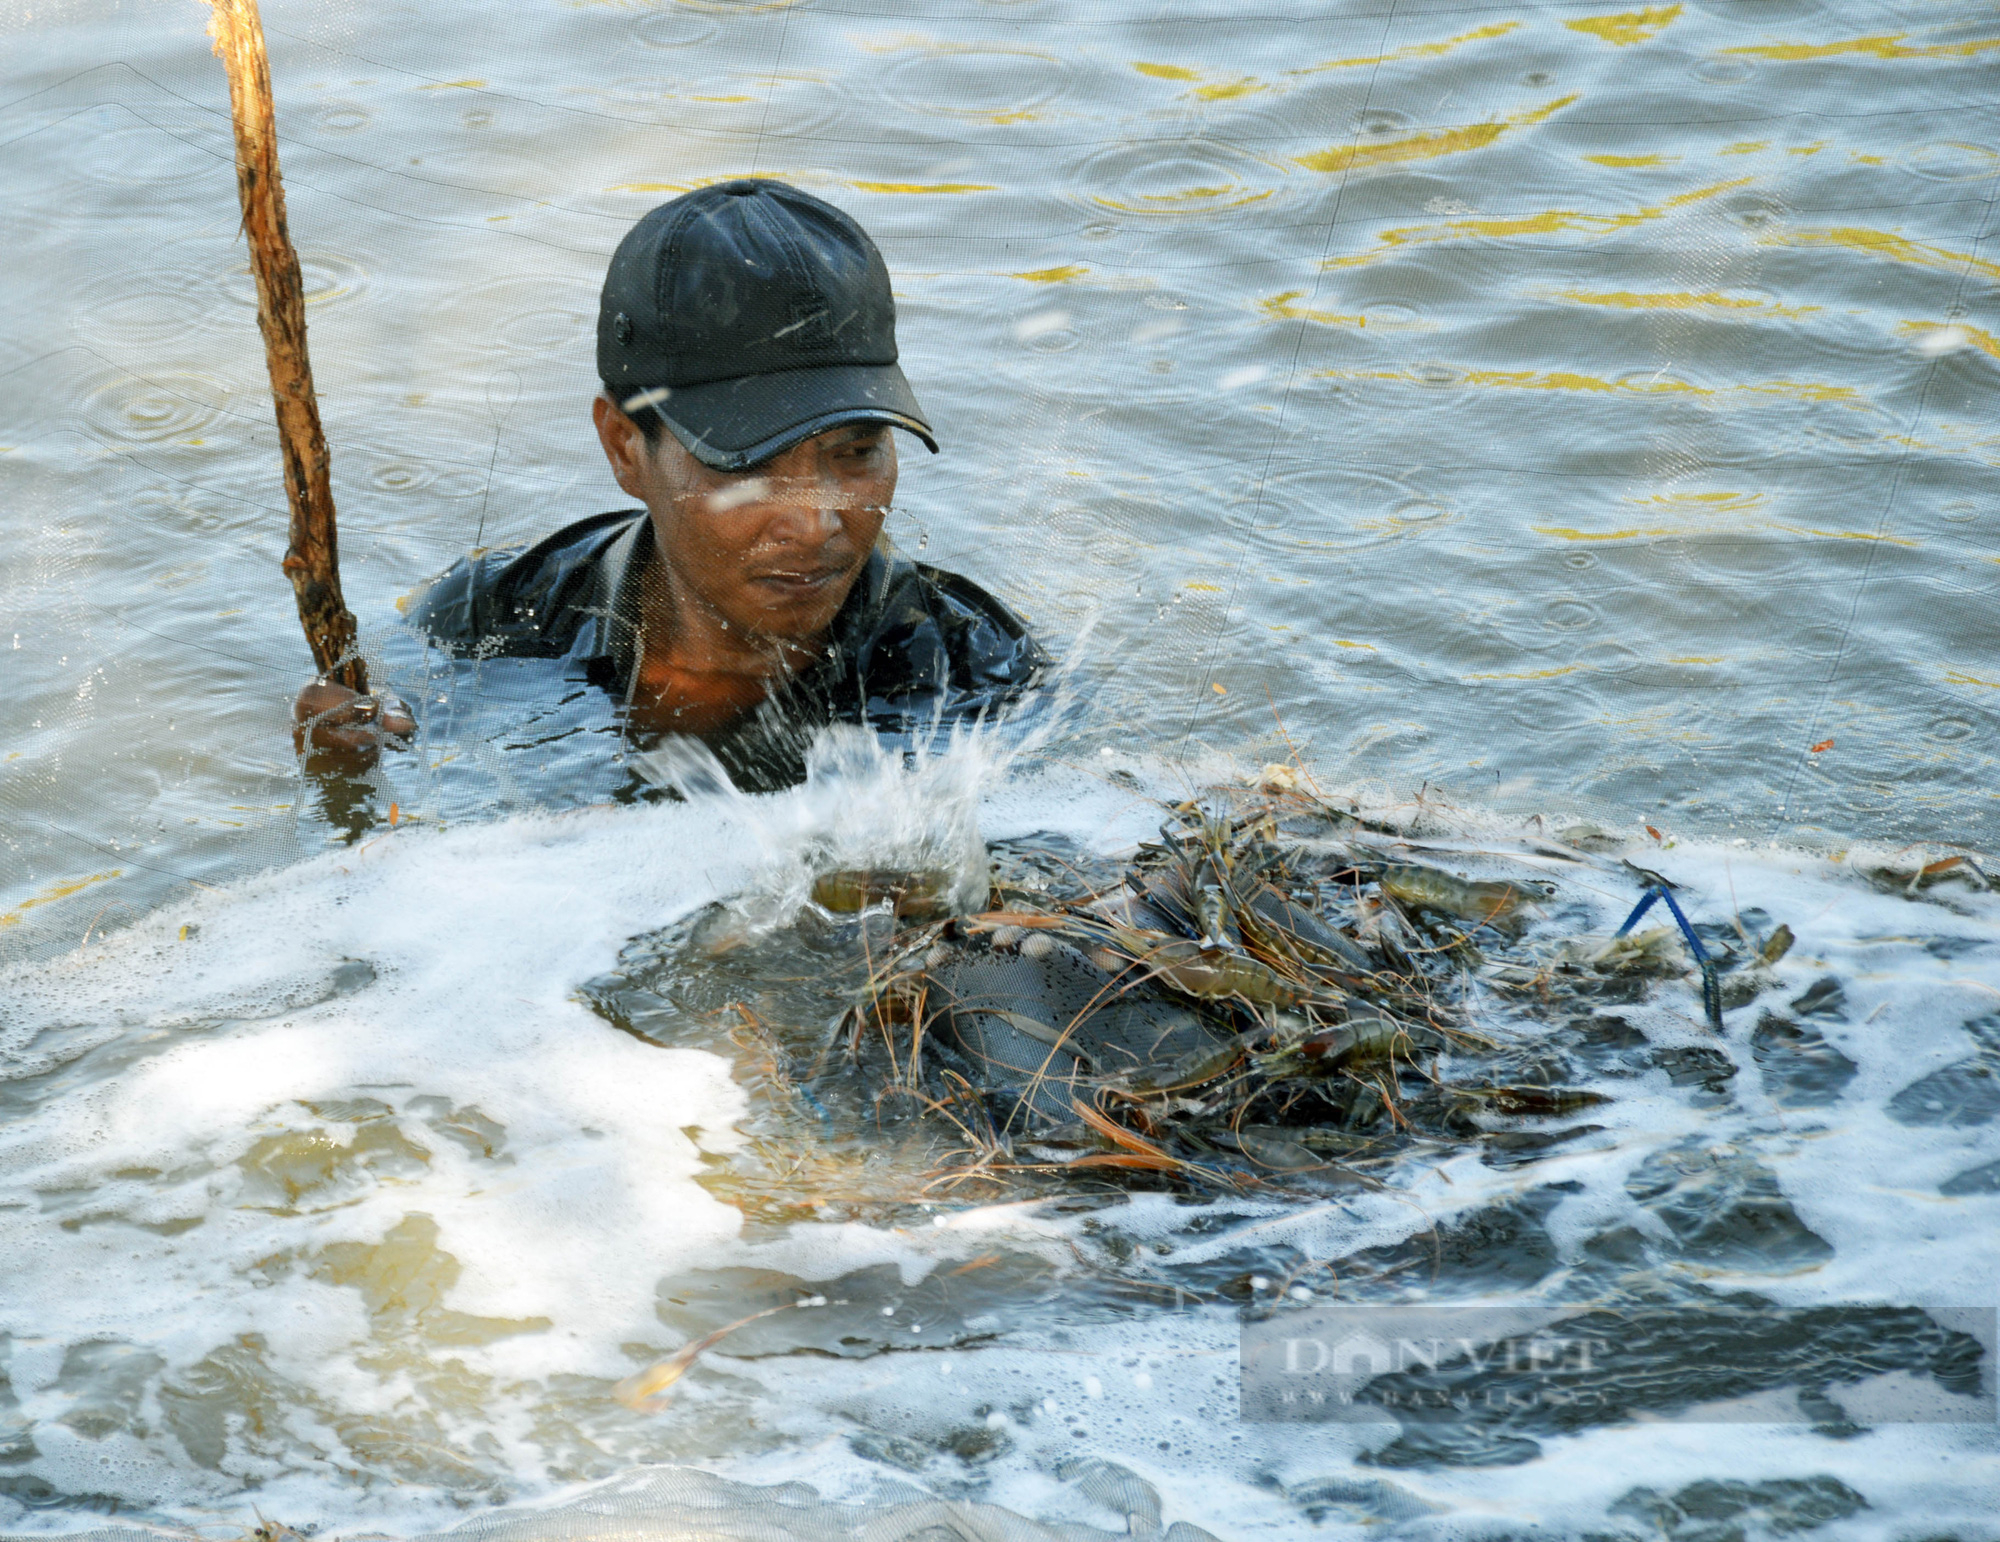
346	728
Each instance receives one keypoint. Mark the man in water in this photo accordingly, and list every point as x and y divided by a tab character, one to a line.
746	339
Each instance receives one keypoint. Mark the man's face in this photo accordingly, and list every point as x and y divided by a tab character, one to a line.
773	551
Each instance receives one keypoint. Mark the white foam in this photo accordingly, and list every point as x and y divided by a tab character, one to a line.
479	937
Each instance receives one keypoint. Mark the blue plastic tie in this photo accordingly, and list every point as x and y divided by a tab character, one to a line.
825	1117
1711	981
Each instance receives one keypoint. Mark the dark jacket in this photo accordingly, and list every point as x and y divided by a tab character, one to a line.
912	643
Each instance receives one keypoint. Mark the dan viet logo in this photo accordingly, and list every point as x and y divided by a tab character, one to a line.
1543	1365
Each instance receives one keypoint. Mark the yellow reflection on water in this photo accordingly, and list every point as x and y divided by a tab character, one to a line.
1545	224
1887	46
1061	275
924	187
1948	336
1628	299
55	891
1421	147
1279	307
1631	160
1565	533
1570	380
1628	27
1705	503
1881	243
1213	91
1413	50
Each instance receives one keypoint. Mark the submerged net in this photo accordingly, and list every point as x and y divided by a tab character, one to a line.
1535	436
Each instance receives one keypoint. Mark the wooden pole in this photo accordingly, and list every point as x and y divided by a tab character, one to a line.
312	560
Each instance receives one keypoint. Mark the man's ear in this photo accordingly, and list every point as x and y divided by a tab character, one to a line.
625	446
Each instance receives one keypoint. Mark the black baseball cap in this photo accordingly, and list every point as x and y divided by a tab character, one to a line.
749	316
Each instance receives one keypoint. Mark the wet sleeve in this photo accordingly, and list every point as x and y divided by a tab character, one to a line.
458	609
990	650
952	646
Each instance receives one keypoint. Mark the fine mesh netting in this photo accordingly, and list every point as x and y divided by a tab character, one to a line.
1567	419
686	1505
1562	408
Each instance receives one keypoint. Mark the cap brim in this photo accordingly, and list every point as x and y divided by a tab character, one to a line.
731	425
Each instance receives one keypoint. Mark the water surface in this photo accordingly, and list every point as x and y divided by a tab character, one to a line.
1554	410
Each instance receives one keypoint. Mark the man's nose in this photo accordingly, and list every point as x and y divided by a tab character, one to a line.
808	507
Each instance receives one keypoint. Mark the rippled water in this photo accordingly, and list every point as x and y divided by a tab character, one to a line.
1554	409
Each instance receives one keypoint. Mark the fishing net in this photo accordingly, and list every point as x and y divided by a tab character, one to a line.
686	1505
1559	409
1566	416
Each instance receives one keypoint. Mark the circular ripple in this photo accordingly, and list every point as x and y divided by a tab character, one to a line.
1822	642
326	275
1755	211
168	305
673	29
1380	123
137	154
1950	160
1391	313
990	83
1268	510
1724	71
401	476
341	118
1950	730
1579	560
156	410
1569	616
459	484
1181	179
523	315
1334	508
1432	386
784	106
176	507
